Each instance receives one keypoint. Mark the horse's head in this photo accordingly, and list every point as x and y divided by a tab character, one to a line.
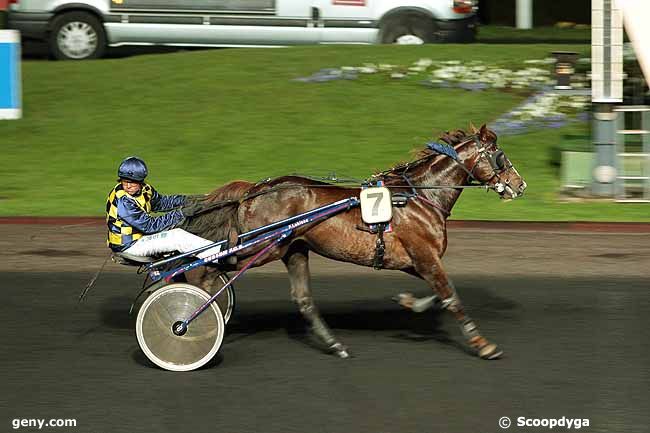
492	166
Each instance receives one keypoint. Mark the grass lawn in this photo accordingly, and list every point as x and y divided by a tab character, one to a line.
202	118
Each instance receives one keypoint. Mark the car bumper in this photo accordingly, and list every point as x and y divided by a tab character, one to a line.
457	31
30	25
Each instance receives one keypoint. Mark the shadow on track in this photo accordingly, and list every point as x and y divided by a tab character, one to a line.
375	315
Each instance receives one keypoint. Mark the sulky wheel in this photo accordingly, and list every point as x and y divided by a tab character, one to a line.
167	306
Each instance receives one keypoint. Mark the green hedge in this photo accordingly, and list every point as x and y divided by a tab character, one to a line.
3	19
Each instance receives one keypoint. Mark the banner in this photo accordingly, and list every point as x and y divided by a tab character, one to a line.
10	103
635	17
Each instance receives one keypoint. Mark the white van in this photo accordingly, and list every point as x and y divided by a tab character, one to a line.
82	29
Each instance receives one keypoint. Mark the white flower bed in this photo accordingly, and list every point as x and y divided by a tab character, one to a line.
451	73
545	108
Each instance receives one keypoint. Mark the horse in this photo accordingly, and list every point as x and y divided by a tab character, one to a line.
416	244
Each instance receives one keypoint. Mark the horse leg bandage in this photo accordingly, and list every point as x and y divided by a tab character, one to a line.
452	303
469	329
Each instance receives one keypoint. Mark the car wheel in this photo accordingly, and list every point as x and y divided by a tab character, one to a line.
77	36
408	30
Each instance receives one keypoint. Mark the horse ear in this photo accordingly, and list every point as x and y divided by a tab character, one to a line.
472	128
484	134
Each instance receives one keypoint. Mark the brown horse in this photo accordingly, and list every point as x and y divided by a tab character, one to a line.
416	244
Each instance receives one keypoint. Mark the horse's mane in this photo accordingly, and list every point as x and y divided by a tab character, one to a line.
451	138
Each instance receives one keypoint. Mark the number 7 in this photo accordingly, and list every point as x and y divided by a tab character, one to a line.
379	196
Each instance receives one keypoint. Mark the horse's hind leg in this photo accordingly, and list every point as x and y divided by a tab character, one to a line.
297	262
437	278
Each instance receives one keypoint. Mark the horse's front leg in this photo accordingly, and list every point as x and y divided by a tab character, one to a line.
434	274
297	262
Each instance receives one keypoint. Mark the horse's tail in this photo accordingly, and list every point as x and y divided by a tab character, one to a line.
216	224
231	191
219	220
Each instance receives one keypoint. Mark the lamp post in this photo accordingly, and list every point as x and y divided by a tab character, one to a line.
565	62
525	14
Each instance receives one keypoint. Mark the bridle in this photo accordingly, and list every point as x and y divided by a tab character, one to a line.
497	160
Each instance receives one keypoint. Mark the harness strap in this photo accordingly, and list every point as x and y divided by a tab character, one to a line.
417	195
442	210
380	248
409	183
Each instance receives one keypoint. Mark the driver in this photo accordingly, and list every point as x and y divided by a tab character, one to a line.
132	229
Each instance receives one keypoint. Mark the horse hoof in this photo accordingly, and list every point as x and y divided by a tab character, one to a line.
417	305
404	299
340	351
490	351
483	349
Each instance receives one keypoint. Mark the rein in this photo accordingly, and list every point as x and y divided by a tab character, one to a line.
224	203
347	183
351	186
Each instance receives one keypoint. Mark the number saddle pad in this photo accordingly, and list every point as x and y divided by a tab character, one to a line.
376	205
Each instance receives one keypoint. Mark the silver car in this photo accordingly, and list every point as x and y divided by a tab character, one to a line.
83	29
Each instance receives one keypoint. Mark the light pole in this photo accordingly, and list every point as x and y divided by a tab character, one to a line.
524	14
607	90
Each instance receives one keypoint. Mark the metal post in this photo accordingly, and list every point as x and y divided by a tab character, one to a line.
620	149
607	89
525	14
605	164
629	181
645	125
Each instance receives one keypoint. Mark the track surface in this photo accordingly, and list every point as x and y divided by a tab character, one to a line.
574	326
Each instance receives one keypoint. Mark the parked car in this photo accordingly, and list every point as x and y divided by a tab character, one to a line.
82	29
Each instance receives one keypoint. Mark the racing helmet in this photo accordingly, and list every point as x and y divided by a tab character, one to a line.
133	168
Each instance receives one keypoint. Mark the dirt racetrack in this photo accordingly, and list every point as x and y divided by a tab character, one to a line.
569	309
477	251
